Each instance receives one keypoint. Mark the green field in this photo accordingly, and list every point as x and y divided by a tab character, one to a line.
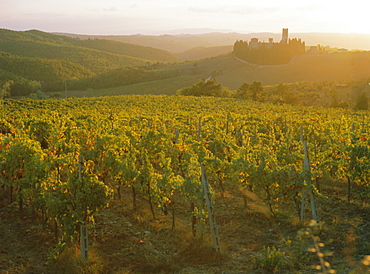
165	87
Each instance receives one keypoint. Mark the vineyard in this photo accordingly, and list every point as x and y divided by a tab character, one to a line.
131	171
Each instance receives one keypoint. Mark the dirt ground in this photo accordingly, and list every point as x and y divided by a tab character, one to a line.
24	242
124	241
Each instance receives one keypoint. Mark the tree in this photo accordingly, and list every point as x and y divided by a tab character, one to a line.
243	90
333	94
250	91
281	89
205	88
5	89
24	87
362	102
256	89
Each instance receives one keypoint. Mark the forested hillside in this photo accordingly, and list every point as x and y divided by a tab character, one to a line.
132	50
96	61
122	77
13	38
51	73
52	59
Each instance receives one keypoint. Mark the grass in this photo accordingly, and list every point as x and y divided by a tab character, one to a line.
70	261
166	86
163	87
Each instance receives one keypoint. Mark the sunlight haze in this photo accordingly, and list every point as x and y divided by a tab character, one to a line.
191	16
128	127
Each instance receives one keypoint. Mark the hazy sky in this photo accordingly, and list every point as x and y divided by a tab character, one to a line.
163	16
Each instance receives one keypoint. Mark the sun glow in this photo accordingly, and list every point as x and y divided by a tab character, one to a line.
143	16
349	18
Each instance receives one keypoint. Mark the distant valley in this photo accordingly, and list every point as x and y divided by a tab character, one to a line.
185	42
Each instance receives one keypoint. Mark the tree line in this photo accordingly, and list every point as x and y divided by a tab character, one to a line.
328	94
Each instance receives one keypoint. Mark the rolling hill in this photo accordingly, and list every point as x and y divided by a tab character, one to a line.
42	69
231	73
106	46
51	58
308	67
94	60
96	55
94	64
49	72
137	51
199	53
176	44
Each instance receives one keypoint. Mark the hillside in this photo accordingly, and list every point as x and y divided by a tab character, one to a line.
107	46
96	61
306	75
199	53
308	67
143	52
62	50
99	64
50	72
53	58
172	43
124	76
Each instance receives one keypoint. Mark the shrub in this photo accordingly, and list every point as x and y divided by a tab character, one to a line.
270	260
362	102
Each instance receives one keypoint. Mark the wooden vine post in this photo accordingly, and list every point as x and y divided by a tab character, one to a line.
307	190
349	177
199	128
177	134
84	241
211	213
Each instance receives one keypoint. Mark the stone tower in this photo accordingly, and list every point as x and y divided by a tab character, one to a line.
284	38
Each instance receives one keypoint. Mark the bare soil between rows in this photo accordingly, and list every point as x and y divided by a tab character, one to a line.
125	241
